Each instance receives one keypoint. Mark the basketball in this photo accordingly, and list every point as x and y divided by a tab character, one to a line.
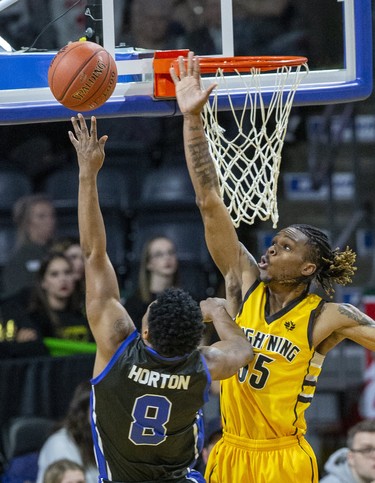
82	76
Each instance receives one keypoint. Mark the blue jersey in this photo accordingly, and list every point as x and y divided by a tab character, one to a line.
146	414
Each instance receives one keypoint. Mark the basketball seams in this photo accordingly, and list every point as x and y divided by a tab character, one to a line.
104	81
77	73
56	62
73	77
111	67
97	87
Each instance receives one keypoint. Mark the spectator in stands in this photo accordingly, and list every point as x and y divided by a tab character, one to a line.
55	306
188	14
268	27
15	26
73	439
64	471
151	25
71	248
205	38
158	270
214	432
35	219
356	462
265	27
75	20
19	339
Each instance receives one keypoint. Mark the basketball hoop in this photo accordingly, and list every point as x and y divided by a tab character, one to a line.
248	165
244	63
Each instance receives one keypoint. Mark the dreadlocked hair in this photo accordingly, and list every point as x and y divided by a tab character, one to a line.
175	323
333	266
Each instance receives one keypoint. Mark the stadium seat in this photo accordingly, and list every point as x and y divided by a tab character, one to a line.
185	229
7	241
22	438
167	207
113	188
13	185
167	187
115	204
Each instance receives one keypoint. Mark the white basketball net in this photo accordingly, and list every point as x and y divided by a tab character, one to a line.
248	165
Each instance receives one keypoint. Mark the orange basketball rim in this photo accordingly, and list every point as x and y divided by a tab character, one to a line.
164	60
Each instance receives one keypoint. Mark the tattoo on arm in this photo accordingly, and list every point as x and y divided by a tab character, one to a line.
202	163
356	315
247	256
252	261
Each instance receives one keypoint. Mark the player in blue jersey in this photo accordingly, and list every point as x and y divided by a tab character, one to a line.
148	387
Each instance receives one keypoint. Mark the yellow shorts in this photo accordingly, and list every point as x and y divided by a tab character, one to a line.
239	460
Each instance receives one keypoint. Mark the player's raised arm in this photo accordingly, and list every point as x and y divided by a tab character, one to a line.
233	350
221	237
108	319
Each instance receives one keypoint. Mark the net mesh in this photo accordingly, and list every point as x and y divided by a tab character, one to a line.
248	164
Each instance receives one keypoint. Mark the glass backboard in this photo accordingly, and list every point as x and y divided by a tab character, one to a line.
335	36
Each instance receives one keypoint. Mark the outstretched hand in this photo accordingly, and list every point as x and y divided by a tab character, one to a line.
90	150
189	93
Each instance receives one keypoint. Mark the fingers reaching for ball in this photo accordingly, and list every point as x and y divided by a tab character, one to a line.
90	149
80	127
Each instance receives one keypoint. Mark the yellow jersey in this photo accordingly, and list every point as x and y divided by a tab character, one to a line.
267	399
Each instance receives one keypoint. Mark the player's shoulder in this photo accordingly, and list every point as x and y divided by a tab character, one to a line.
335	307
337	315
328	309
326	332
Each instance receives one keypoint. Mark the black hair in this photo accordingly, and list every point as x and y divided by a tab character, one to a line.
38	301
175	323
333	266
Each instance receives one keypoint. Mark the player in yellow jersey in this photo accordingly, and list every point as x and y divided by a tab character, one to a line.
291	329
